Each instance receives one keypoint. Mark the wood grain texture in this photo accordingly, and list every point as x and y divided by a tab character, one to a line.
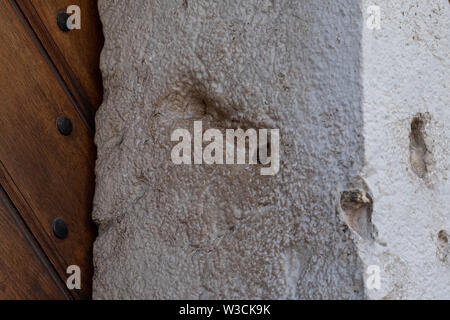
45	174
25	272
76	54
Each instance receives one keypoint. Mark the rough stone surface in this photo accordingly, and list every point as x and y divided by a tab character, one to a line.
346	195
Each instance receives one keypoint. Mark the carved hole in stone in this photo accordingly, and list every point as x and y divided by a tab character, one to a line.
357	209
443	247
418	148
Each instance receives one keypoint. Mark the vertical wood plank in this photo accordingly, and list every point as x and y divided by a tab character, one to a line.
46	175
76	54
25	272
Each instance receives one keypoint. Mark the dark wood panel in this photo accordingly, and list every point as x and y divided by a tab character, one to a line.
25	272
46	174
76	53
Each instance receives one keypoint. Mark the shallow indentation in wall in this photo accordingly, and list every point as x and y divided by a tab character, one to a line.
443	247
420	155
357	207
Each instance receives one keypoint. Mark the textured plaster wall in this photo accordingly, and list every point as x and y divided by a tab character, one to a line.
346	195
406	75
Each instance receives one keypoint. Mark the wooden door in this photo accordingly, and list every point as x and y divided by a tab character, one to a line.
47	168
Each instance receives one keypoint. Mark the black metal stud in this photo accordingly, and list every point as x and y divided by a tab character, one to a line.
64	125
60	228
61	20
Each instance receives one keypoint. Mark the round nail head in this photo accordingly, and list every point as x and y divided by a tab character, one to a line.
64	126
61	20
60	228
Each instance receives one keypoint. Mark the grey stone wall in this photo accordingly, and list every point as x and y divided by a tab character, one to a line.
226	231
